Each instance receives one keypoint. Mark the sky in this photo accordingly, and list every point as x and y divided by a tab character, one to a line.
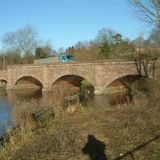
65	22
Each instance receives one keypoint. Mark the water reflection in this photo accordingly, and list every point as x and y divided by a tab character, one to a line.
111	99
12	97
5	116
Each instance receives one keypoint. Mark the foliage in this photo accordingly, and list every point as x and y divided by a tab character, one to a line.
3	89
105	40
146	86
21	47
9	58
42	53
89	52
28	58
107	45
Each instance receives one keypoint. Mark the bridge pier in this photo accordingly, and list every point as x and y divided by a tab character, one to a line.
100	90
47	89
9	87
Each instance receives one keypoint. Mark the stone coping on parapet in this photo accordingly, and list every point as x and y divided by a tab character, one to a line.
109	62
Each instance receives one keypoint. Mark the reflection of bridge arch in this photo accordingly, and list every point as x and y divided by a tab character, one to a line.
29	79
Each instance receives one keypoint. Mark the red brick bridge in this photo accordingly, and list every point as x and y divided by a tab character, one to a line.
100	74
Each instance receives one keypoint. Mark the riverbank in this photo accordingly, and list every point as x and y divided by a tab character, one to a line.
129	130
120	128
2	89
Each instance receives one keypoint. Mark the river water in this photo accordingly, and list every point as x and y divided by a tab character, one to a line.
10	99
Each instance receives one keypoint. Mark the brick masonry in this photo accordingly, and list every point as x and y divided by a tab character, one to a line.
99	74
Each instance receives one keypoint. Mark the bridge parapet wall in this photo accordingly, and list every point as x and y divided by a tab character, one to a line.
100	74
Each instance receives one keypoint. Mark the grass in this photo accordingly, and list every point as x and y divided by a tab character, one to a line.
2	89
147	86
128	128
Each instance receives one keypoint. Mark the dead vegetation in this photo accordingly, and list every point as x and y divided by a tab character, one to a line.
128	131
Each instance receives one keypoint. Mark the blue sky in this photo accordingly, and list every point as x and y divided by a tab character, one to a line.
64	22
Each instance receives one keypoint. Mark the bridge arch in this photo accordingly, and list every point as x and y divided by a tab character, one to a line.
3	82
3	79
28	80
124	76
71	82
85	77
121	82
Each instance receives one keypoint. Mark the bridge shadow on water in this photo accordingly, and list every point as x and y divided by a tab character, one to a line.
95	149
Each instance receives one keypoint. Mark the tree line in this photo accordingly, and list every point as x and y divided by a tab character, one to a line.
109	44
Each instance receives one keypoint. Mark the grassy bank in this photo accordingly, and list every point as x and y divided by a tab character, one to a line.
129	130
146	86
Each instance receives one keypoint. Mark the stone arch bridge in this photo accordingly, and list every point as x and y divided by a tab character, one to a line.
100	74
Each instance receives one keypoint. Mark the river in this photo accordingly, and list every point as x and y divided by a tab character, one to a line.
12	98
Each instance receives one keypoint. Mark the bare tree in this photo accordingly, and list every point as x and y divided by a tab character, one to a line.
147	10
154	37
145	57
24	40
105	35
